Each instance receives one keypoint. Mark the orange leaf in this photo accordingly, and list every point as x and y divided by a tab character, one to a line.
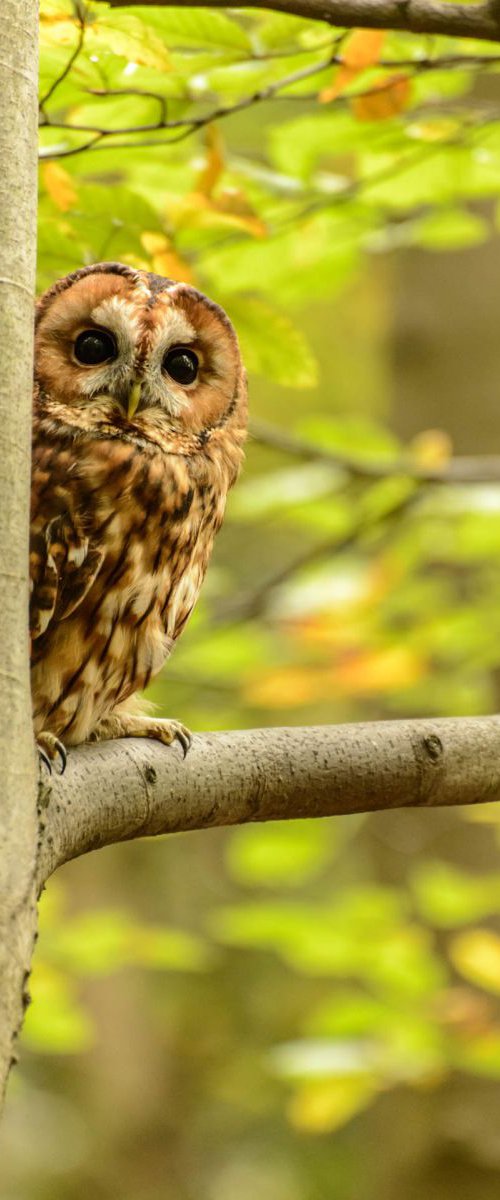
376	672
386	99
214	162
363	48
172	266
59	186
343	77
285	687
198	210
164	259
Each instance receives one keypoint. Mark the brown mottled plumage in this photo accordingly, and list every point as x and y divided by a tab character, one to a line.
131	469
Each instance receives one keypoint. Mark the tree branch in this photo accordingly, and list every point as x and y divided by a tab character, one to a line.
462	469
480	21
145	789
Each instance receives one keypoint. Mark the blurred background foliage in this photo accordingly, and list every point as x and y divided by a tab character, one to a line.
307	1011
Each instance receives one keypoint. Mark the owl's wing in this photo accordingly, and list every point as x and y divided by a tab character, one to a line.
63	568
63	561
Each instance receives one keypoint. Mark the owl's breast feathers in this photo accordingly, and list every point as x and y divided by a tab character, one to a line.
121	533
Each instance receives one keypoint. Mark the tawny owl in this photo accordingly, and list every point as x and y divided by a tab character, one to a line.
139	422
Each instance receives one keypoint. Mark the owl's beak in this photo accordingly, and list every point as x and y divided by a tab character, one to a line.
134	398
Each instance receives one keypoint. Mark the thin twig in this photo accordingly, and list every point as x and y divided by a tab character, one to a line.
462	469
188	125
80	23
252	604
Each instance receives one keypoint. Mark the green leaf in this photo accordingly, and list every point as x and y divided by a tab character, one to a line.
129	37
55	1022
448	897
280	491
101	941
450	229
348	1014
480	1055
272	345
297	264
325	1058
194	27
280	853
280	31
354	436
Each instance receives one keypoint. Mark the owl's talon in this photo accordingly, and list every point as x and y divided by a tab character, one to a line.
63	757
52	752
45	759
168	731
185	738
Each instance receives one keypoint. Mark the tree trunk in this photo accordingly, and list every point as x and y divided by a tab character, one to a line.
18	819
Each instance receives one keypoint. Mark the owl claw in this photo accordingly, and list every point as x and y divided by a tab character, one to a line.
52	753
185	738
169	731
45	759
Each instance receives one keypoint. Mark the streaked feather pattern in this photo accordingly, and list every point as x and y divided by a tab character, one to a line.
124	510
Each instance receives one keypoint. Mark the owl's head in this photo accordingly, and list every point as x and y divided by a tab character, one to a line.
132	348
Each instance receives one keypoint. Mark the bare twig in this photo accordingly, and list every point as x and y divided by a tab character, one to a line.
253	603
274	91
462	469
80	24
187	125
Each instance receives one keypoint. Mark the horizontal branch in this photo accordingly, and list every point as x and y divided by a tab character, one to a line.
480	21
116	791
461	469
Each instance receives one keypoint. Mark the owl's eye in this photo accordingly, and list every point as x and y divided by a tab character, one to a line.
181	363
94	346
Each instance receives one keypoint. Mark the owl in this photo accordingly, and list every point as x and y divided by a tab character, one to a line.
139	423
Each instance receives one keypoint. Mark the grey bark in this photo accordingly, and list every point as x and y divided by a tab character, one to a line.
120	790
18	822
480	21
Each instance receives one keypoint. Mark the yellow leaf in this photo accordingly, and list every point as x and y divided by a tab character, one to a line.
286	687
59	186
327	1104
476	955
435	129
154	243
58	31
164	259
432	448
56	10
127	36
135	261
377	671
386	99
198	210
